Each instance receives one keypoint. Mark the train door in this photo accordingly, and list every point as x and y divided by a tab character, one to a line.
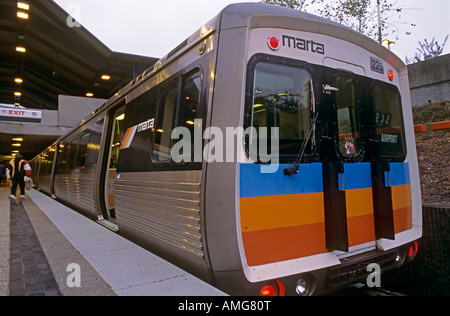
347	180
117	120
357	191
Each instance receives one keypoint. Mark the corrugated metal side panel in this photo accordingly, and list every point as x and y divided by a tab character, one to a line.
77	189
163	206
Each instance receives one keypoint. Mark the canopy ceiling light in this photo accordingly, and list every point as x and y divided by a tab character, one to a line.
23	6
22	15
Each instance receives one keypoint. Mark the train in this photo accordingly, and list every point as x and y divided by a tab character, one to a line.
271	153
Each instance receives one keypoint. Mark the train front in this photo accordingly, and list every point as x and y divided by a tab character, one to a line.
326	187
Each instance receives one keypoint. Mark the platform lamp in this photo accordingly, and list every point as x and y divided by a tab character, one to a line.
388	43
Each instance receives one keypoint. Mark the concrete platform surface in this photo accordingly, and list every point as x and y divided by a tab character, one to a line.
86	259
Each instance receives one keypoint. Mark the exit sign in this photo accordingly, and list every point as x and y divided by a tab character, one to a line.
19	115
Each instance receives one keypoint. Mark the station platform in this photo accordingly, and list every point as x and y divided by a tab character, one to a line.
47	249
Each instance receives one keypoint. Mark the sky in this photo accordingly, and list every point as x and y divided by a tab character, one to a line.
154	27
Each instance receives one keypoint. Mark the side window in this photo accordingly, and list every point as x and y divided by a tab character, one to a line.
82	151
190	108
49	160
117	136
389	122
347	116
46	160
72	158
177	108
93	147
63	150
165	123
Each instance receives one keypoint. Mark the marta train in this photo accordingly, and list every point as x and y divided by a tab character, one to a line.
322	182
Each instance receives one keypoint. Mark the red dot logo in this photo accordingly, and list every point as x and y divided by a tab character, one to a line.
273	42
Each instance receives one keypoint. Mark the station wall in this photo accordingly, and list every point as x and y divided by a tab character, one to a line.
429	80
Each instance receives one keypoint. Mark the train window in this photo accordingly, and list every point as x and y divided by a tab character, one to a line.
47	162
347	117
165	123
389	122
93	147
72	158
190	102
82	151
189	106
117	136
282	98
62	158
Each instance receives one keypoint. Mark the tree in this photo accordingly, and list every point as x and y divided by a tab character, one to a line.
361	15
351	13
428	50
293	4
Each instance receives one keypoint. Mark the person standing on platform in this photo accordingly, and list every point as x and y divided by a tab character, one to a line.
2	173
17	170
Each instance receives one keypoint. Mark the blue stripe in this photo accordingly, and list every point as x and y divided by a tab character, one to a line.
254	183
399	174
357	176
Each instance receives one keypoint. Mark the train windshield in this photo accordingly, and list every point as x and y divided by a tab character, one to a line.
282	99
389	122
347	117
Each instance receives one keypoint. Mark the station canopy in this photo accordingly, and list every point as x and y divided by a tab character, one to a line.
43	54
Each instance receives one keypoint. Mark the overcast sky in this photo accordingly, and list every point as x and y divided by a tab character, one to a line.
154	27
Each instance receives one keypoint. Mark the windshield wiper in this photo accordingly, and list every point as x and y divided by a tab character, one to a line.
296	168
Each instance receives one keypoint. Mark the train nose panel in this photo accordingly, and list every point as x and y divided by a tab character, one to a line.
285	217
282	217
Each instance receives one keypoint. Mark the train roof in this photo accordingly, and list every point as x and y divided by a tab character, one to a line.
260	15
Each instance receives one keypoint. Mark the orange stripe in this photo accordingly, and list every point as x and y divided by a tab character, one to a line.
401	196
269	212
284	227
360	222
278	228
361	229
274	245
402	219
402	205
126	138
359	202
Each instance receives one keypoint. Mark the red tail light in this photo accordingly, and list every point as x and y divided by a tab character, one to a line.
413	250
281	288
274	289
267	290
